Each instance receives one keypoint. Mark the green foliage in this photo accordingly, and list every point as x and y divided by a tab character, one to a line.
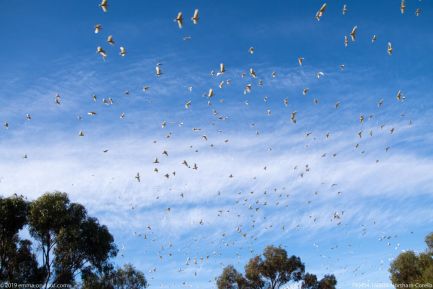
122	278
272	270
128	278
17	262
71	244
328	282
231	279
13	216
412	268
429	242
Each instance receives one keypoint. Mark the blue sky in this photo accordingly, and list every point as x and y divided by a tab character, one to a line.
49	47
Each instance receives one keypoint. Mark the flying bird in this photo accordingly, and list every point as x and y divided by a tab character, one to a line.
400	96
58	99
210	93
222	69
319	13
110	40
300	60
253	73
389	48
293	116
179	19
380	103
247	88
104	5
195	17
353	33
101	52
98	28
158	70
122	51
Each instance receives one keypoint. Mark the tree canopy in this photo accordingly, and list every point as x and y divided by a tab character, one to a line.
272	270
412	268
70	245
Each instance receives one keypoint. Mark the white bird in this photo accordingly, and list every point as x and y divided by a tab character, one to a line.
389	48
247	88
58	99
400	96
344	11
353	33
402	6
374	38
417	11
346	41
101	52
380	103
293	116
251	50
104	5
319	13
158	70
222	69
210	93
122	51
253	73
110	40
195	17
179	19
188	104
98	28
300	60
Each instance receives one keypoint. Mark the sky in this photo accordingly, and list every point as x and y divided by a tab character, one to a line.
347	205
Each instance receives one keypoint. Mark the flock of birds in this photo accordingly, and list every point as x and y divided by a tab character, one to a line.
244	236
